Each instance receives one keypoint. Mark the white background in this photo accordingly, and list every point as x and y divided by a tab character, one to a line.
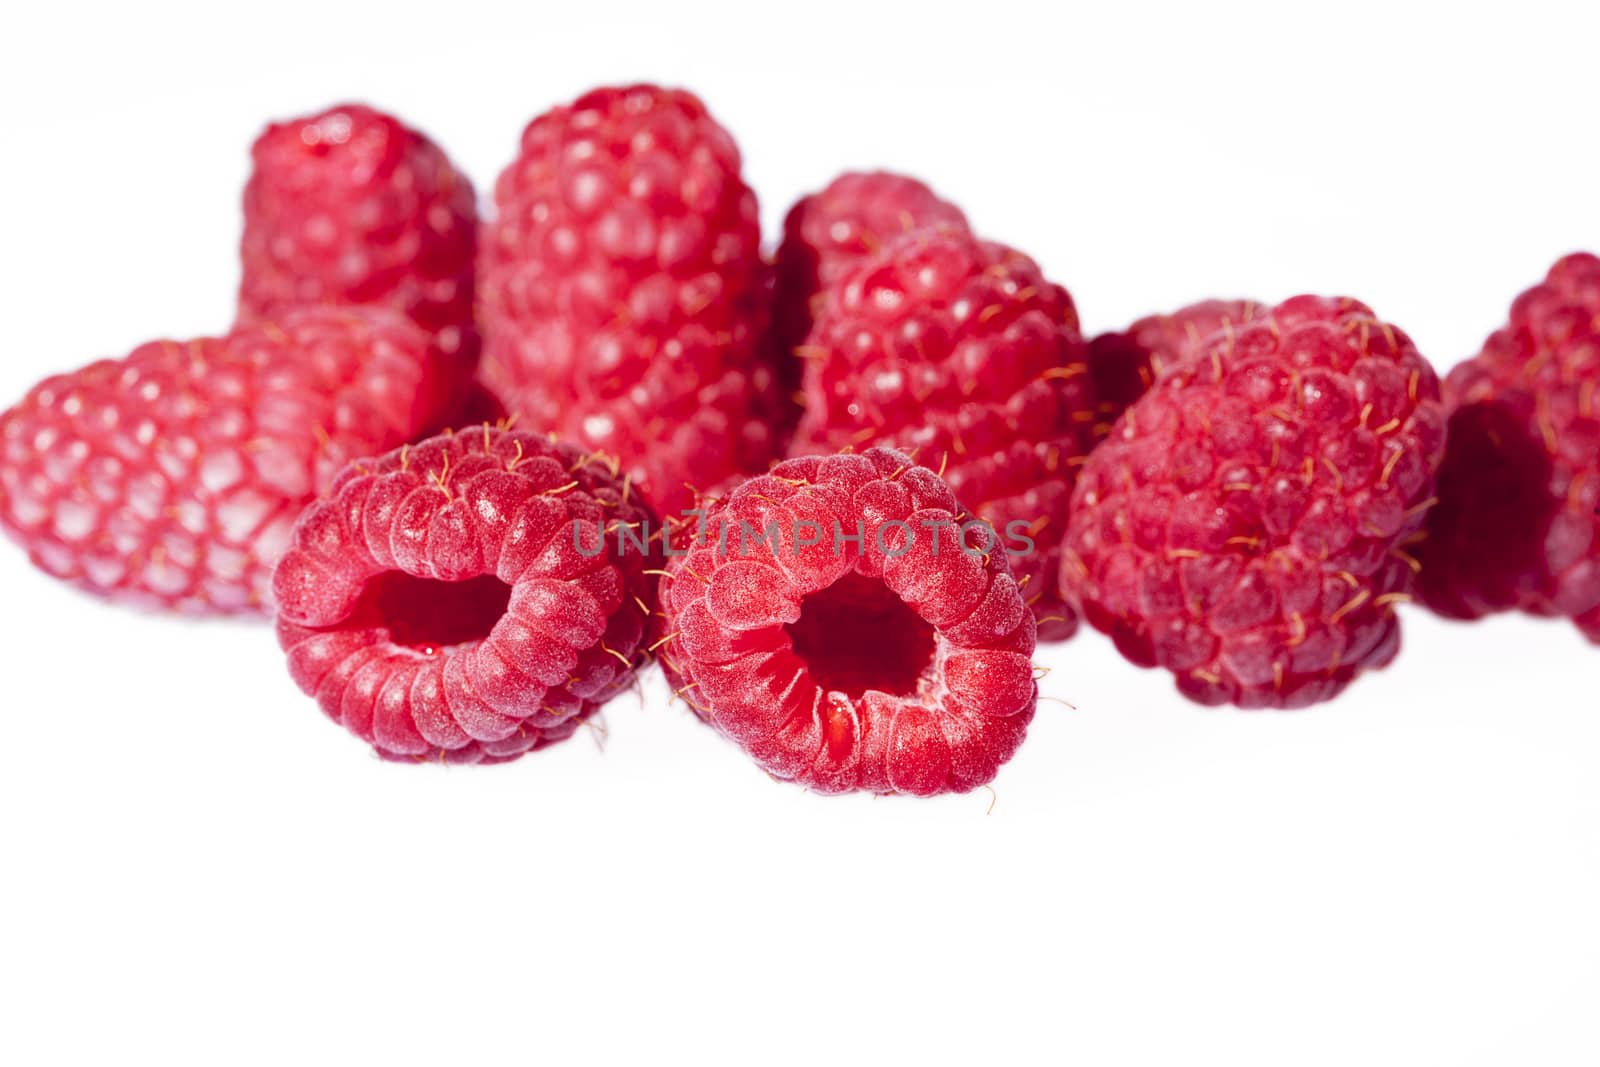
198	868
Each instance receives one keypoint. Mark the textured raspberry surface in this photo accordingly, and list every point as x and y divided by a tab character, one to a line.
172	478
960	351
623	294
351	207
1516	526
896	663
1126	363
1246	524
828	232
468	599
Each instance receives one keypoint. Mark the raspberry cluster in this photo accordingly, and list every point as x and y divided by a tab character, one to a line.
839	495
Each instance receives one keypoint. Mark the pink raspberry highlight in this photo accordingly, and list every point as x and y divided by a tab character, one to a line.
171	479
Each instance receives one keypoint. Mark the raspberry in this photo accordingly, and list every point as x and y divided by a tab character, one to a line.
1126	363
1589	625
351	207
171	478
827	233
895	663
1245	524
622	292
468	599
1516	526
961	352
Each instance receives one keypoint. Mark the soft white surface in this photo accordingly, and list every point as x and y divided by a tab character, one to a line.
200	869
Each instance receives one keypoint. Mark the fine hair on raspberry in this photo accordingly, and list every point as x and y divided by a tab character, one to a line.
871	657
468	599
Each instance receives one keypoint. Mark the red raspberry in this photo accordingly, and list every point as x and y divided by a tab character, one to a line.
623	291
1516	526
1126	363
468	599
898	663
351	207
1589	625
827	233
960	351
1244	526
172	478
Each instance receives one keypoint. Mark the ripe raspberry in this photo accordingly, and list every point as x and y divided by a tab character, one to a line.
1516	526
1126	363
819	623
351	207
468	599
171	478
1589	625
623	291
960	351
827	233
1245	524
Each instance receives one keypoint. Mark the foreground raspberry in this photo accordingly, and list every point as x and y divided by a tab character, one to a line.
468	599
827	233
1516	526
350	207
821	624
960	351
1245	525
171	478
1127	363
622	292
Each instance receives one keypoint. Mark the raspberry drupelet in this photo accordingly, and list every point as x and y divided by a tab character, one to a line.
471	598
1517	526
1246	525
623	296
962	353
818	621
351	207
171	478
